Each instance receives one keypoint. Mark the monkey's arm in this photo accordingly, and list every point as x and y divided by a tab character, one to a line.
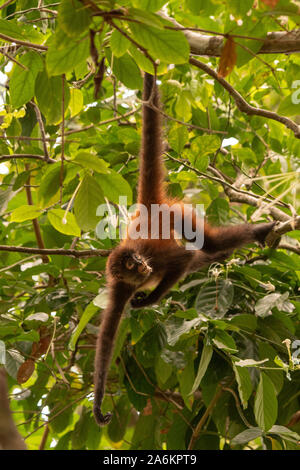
119	294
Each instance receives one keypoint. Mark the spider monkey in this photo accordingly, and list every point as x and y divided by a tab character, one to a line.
136	264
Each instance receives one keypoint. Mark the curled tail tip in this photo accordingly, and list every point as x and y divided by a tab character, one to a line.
102	420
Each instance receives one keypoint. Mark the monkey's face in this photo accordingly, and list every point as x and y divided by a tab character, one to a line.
129	266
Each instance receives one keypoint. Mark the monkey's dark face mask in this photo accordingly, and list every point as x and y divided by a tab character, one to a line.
129	266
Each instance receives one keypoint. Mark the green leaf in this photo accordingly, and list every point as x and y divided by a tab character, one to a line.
13	361
183	106
245	155
204	363
289	106
50	184
13	29
81	429
88	160
101	299
246	436
186	379
64	223
150	5
175	328
218	212
60	60
264	306
163	370
121	416
285	433
25	213
147	18
224	341
250	363
127	72
265	404
22	81
113	186
214	299
245	386
76	101
88	198
245	321
178	137
73	17
49	96
119	43
144	63
87	315
166	45
206	144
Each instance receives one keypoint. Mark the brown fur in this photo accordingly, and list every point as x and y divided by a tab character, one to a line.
10	438
138	264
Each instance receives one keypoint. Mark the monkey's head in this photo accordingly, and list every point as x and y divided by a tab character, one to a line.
127	265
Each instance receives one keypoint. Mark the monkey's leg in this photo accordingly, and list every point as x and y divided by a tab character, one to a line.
229	238
216	238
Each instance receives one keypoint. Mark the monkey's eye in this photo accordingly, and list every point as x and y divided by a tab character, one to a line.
129	264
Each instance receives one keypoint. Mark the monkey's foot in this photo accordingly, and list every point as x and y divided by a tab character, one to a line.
262	230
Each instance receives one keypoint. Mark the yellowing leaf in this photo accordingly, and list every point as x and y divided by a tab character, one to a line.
228	58
270	3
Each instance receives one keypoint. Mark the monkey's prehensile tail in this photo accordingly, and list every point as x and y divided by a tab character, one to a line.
119	294
152	171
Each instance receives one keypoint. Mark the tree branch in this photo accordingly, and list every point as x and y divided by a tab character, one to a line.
242	104
55	251
4	158
31	45
211	44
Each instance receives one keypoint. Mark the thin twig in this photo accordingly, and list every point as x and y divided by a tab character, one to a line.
289	247
9	57
44	438
4	158
8	2
62	138
183	123
54	251
102	123
42	129
31	45
36	226
37	139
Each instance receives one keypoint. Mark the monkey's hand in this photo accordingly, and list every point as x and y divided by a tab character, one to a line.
139	300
